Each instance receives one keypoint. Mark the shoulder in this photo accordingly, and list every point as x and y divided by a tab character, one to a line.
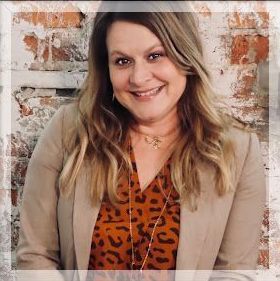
246	147
241	136
67	112
60	124
65	117
70	110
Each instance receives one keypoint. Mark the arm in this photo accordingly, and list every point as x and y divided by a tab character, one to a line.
38	246
239	248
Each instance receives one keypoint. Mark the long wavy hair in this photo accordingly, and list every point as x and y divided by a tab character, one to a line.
101	130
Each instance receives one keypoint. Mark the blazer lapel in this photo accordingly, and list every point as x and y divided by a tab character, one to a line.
84	218
194	225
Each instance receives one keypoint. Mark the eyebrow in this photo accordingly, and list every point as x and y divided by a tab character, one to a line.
117	52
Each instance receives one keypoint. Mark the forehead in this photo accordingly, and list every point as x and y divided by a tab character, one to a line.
126	37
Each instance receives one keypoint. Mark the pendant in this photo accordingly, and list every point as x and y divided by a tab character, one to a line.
132	265
154	141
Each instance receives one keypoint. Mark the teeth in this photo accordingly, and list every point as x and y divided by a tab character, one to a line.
149	93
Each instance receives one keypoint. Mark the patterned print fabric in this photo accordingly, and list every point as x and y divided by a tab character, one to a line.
111	244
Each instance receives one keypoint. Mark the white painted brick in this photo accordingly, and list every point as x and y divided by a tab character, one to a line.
46	79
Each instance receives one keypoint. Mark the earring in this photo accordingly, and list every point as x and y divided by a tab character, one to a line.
113	97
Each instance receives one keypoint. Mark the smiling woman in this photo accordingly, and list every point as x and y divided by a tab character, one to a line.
144	171
145	80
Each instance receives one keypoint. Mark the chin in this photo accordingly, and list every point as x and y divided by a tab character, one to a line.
147	118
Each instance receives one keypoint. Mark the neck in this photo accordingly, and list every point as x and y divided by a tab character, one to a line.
161	128
157	134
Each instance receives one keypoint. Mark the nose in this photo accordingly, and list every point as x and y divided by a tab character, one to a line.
140	73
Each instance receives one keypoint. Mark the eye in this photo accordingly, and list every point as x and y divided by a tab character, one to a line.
155	56
122	61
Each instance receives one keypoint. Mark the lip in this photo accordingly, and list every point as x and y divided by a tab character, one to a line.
147	94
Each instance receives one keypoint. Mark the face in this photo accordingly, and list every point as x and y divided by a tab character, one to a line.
144	79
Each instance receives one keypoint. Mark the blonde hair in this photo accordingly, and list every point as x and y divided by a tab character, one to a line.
101	132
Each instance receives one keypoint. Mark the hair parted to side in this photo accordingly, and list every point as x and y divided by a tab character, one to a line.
101	133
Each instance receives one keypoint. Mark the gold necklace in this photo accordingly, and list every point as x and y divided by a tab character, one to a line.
130	226
155	141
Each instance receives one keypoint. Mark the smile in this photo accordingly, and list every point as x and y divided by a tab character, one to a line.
149	93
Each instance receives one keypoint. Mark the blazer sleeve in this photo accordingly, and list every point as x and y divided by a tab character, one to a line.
239	248
38	246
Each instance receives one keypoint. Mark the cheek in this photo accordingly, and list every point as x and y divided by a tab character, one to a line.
118	80
169	73
177	78
182	80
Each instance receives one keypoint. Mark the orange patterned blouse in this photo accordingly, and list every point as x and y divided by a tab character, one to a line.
111	244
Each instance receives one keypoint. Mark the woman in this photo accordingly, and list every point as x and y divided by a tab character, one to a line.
144	171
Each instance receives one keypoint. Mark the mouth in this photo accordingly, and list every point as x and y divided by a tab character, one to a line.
149	93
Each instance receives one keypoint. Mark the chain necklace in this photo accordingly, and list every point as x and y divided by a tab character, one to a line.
153	231
155	141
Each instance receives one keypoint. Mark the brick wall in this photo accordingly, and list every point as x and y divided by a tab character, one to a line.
49	60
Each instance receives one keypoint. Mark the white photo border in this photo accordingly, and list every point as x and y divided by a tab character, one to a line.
8	8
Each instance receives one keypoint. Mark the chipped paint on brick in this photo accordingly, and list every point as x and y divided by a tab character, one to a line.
201	8
239	50
250	20
51	19
245	85
31	42
18	172
20	146
249	49
263	258
45	49
54	47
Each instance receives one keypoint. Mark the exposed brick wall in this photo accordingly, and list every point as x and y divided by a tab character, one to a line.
240	51
236	47
49	58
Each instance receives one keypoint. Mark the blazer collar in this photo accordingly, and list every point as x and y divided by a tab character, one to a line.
193	225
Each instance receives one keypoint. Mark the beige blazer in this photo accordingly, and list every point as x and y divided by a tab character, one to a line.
56	232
